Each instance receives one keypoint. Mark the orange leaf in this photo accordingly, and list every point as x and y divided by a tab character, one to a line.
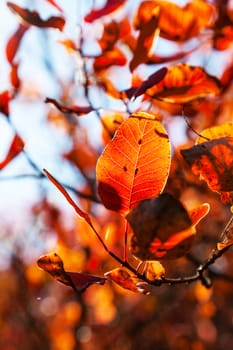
184	83
126	280
110	58
175	22
53	264
135	164
154	270
33	18
109	7
163	228
16	147
213	159
146	40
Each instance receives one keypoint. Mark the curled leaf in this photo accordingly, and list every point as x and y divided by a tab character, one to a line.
163	228
110	58
154	270
33	18
126	280
135	164
53	264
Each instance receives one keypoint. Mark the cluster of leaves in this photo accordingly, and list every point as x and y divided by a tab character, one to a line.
158	211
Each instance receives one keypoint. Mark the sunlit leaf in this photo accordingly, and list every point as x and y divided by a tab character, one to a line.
109	7
53	264
14	42
14	76
112	32
146	40
175	22
15	148
135	164
33	18
163	228
213	159
110	58
78	110
154	270
184	83
126	280
4	102
223	39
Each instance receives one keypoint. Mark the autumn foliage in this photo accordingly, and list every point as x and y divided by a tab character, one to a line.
133	212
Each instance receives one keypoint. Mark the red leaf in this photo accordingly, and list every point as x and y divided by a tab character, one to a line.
83	280
79	110
109	7
135	164
14	42
4	102
33	18
15	148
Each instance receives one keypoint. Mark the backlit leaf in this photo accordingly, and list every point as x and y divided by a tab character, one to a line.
135	164
53	264
110	58
14	42
33	18
146	40
184	83
175	22
163	228
109	7
213	159
154	270
126	280
15	148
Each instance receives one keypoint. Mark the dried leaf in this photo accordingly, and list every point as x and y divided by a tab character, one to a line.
213	159
135	164
14	42
78	110
33	18
53	264
123	278
109	7
184	83
146	40
163	228
15	148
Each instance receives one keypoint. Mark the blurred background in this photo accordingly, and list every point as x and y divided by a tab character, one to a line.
36	312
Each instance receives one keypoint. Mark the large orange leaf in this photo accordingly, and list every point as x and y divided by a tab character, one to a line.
175	22
163	228
212	159
135	164
184	83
